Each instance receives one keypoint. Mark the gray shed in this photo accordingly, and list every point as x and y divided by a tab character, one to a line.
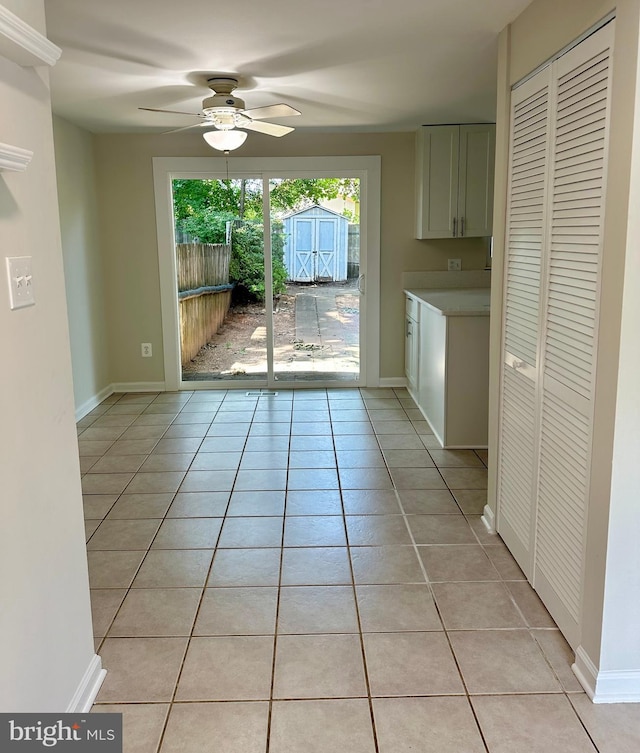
315	246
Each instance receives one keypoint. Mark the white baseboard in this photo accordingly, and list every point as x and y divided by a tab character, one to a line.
615	686
392	382
489	519
92	402
87	691
138	386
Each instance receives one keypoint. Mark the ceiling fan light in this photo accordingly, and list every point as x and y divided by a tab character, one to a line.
225	141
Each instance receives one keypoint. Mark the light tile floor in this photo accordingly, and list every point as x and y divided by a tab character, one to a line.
309	572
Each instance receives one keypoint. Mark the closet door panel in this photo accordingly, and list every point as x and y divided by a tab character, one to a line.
570	334
516	477
528	168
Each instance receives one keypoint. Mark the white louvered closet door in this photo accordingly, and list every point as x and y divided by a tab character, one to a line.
528	168
571	276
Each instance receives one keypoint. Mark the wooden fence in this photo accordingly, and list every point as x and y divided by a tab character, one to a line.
201	264
204	293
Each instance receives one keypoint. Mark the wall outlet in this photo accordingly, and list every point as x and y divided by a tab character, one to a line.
20	282
146	350
455	265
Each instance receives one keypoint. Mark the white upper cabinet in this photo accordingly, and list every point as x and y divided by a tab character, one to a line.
454	180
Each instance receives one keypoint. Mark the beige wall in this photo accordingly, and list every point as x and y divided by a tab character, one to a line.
547	26
83	268
45	619
544	28
129	236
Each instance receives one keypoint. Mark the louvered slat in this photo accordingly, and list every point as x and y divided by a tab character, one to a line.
528	166
517	451
564	444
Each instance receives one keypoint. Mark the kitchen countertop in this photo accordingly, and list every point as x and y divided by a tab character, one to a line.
454	301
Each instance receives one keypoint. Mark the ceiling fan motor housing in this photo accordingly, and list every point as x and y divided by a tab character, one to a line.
222	101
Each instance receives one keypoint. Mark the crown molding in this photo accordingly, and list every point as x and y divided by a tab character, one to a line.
23	44
14	158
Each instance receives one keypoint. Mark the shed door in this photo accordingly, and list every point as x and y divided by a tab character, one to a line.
315	248
303	266
326	248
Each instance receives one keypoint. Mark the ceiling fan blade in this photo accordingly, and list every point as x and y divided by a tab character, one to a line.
186	128
271	111
271	129
173	112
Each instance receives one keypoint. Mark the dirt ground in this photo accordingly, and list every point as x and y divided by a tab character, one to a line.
324	337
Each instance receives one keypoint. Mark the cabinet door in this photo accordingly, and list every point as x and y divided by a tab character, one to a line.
476	171
437	181
432	369
411	354
411	343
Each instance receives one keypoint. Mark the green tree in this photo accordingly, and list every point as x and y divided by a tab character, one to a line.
208	226
202	208
197	200
247	258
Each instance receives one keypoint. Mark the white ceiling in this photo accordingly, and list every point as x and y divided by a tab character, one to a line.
383	65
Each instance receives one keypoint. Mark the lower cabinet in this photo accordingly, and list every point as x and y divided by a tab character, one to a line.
452	381
412	344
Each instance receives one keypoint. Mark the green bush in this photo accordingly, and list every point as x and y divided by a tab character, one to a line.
247	259
209	226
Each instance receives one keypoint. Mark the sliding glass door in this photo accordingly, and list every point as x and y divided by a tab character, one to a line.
220	276
315	258
263	279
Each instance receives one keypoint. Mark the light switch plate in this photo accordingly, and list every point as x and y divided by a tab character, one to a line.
20	280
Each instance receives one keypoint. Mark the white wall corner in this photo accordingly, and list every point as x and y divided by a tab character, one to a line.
88	688
93	402
489	519
614	686
392	382
138	387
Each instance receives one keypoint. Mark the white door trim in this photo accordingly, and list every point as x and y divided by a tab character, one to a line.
367	169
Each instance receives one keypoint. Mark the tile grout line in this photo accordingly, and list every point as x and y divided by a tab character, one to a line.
355	600
437	608
197	612
445	632
148	549
188	642
277	615
148	455
527	626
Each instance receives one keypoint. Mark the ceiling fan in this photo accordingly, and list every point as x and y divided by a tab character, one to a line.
226	113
